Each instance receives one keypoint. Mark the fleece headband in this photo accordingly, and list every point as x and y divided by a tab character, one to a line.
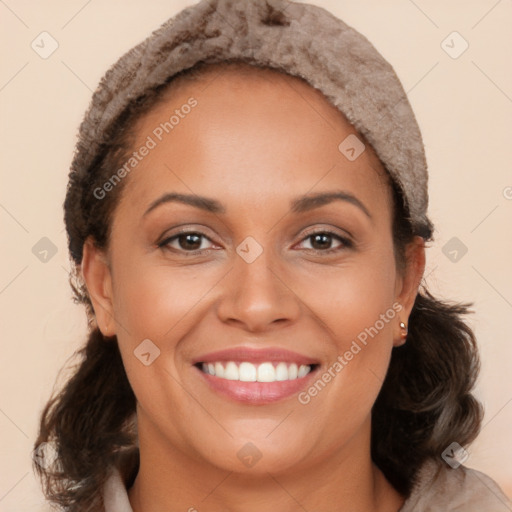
300	39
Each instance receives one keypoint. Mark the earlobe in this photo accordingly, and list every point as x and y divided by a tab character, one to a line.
97	277
402	337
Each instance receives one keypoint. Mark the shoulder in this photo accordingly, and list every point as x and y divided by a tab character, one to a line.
440	488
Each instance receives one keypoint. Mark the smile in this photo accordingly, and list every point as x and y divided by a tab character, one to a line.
255	376
263	372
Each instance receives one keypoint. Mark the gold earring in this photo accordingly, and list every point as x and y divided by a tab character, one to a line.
404	332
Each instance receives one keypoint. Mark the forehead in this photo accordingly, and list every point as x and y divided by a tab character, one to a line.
250	130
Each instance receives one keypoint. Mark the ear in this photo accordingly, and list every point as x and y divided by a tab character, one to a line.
96	274
408	284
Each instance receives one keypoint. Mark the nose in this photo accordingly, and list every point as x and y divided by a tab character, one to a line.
257	296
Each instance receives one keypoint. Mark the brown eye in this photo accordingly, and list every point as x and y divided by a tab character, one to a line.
189	241
322	241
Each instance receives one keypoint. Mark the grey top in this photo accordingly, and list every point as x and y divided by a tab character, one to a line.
438	489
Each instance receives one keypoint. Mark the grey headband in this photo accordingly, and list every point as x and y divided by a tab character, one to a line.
300	39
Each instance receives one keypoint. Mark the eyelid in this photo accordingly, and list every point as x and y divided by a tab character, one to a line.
183	230
327	229
166	241
331	230
346	240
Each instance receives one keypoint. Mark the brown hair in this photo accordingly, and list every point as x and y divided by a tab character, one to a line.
425	402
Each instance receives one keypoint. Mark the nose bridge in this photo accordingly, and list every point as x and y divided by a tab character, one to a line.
256	293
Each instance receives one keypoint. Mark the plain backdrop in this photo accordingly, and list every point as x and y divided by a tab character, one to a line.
463	104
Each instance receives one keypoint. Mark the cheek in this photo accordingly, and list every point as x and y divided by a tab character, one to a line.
161	304
356	303
152	300
350	298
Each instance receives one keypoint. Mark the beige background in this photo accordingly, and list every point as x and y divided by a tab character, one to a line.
463	105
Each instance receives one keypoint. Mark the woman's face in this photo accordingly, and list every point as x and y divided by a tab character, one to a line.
285	256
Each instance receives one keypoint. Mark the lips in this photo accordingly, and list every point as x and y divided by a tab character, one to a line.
256	376
251	355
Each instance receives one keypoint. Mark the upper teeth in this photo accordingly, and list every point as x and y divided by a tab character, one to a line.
263	372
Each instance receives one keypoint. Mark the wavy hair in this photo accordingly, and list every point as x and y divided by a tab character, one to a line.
425	402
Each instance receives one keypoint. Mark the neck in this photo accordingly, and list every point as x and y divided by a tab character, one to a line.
344	480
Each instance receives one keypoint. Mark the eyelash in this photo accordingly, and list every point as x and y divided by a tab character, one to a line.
346	243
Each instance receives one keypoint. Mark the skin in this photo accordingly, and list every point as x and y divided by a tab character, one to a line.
255	141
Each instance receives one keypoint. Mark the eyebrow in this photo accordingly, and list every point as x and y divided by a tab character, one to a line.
311	201
204	203
298	205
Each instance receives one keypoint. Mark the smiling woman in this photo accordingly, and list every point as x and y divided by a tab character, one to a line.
257	325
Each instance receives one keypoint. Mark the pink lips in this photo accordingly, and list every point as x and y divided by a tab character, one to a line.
252	355
256	393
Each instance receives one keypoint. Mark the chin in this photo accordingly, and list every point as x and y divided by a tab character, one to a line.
256	457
